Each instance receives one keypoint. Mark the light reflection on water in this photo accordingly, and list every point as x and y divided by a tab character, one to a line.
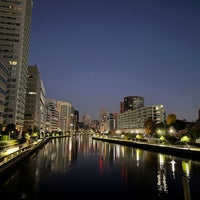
78	166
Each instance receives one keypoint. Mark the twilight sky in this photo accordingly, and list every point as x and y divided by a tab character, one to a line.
93	53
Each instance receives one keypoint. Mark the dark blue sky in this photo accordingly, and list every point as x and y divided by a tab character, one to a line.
93	53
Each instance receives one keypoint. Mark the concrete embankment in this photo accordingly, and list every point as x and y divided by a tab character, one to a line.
11	162
187	152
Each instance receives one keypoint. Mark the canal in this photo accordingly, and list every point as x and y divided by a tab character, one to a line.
79	167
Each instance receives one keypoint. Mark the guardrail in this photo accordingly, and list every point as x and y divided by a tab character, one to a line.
12	153
16	153
12	157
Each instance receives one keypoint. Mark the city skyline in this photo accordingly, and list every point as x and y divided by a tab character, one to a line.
94	53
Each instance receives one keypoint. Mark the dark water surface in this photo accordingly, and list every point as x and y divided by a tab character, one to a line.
80	167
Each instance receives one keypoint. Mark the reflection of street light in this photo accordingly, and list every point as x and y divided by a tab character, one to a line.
161	160
186	166
173	167
137	156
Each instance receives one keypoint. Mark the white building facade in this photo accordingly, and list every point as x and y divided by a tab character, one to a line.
133	120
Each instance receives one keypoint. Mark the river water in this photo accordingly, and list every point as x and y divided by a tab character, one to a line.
80	167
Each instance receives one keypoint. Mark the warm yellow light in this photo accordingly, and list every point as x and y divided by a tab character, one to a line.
13	62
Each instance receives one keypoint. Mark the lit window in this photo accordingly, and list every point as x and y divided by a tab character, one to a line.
13	62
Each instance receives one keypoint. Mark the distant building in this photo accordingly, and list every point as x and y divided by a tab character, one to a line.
76	118
103	121
111	123
134	119
65	111
86	119
95	125
132	103
52	115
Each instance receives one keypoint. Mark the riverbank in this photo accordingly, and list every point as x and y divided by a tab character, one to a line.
10	162
188	152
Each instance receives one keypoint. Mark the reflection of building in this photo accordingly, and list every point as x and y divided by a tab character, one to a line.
15	19
186	187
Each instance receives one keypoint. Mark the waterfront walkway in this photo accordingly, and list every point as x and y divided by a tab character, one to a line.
186	151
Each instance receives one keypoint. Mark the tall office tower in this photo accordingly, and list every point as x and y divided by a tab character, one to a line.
53	115
111	123
65	116
34	107
133	102
15	27
3	88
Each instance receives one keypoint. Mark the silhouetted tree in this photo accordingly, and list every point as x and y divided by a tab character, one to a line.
149	126
161	128
10	128
179	125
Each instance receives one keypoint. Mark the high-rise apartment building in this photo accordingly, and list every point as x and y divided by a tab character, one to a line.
135	119
133	102
15	27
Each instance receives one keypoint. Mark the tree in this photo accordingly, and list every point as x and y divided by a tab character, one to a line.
171	119
161	129
10	128
179	125
149	126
